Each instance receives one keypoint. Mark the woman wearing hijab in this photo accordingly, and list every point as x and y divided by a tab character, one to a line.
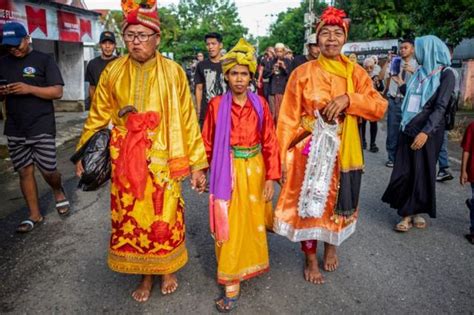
412	185
322	173
242	150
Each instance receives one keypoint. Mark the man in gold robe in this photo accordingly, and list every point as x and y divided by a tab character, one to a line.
153	148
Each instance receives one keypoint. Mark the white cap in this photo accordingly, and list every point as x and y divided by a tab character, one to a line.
311	39
280	46
369	61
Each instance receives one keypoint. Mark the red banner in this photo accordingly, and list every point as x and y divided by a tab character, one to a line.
7	12
36	18
86	28
68	26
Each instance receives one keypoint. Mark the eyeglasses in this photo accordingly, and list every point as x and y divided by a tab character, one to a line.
142	37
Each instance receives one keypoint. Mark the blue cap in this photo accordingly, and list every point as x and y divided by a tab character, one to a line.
13	33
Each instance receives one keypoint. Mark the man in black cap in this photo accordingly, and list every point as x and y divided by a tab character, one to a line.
98	64
31	80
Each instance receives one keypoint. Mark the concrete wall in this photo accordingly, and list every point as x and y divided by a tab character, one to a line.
70	59
71	62
45	46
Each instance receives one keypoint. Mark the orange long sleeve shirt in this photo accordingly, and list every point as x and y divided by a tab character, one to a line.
244	133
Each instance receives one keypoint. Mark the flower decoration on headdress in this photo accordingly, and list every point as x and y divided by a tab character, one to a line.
142	12
333	16
243	54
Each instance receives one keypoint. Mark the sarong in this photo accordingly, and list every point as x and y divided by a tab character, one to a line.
148	235
245	255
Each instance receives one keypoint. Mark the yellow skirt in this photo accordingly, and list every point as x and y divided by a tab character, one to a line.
245	255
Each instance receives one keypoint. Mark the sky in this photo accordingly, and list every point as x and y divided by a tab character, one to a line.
256	15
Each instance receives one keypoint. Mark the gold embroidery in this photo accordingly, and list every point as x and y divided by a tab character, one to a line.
125	241
307	122
243	274
134	263
114	152
144	241
143	211
127	199
128	228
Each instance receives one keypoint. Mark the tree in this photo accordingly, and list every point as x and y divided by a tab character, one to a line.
196	18
170	30
374	19
289	28
451	20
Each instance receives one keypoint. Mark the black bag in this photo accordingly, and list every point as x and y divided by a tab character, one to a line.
95	158
451	108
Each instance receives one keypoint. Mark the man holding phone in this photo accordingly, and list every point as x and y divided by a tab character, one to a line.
278	70
31	82
400	71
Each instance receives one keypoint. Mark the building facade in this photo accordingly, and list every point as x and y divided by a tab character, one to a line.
63	29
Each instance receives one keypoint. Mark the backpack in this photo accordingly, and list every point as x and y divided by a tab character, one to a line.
451	108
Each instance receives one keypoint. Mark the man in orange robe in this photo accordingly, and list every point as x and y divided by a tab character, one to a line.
343	93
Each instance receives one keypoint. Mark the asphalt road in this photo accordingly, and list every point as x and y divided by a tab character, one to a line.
61	267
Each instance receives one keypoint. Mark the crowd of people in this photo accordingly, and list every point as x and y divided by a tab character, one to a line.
304	129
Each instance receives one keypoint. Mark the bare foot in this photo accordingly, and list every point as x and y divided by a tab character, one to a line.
169	283
311	270
143	291
330	258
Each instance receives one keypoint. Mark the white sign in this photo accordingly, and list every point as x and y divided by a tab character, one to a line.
369	46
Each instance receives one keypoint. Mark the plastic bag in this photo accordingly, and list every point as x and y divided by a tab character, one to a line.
322	158
95	158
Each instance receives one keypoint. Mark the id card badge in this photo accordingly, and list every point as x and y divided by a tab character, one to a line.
414	103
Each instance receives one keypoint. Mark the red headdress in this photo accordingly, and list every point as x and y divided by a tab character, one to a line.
142	12
333	16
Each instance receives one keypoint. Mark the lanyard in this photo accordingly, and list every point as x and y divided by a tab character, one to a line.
420	82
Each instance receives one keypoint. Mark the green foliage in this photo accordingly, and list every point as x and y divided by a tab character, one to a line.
451	20
184	26
280	31
289	28
170	30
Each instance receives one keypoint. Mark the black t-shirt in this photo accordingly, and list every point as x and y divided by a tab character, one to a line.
298	61
95	68
210	75
29	115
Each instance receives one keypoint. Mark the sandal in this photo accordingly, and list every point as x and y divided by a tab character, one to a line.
404	225
229	304
419	222
63	206
28	225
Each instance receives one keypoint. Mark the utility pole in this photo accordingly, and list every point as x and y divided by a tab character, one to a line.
309	19
258	38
